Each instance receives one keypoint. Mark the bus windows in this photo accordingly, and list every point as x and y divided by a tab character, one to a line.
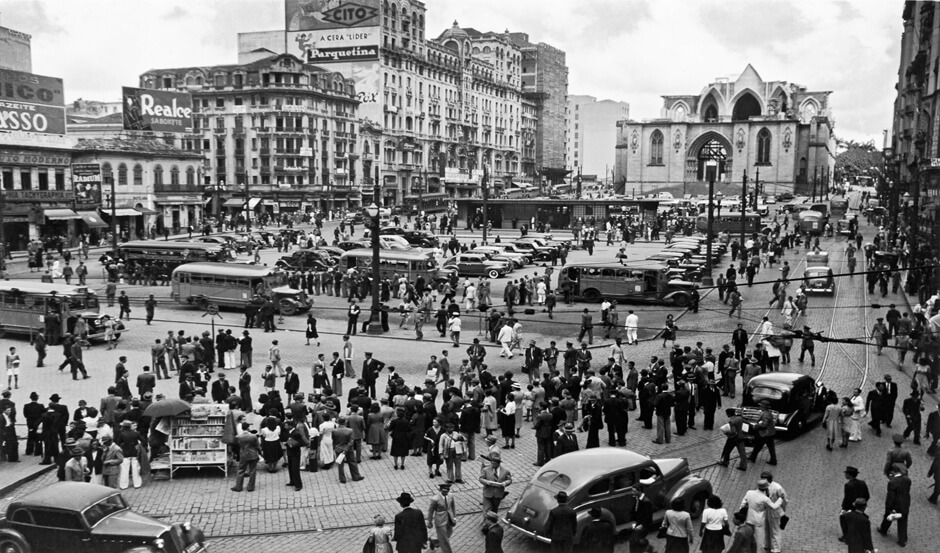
651	278
608	272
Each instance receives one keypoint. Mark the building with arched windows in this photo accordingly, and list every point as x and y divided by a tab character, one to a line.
776	131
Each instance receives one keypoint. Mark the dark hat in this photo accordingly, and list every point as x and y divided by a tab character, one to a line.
54	397
405	499
561	497
7	393
491	516
851	471
898	438
33	395
569	427
148	395
126	424
496	457
443	486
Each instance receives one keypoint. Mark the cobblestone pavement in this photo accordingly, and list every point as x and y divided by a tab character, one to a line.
328	516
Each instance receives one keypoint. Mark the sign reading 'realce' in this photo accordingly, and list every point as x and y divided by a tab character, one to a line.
157	110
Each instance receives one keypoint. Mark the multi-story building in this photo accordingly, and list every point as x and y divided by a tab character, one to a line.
545	84
277	130
778	130
449	105
16	50
592	134
913	183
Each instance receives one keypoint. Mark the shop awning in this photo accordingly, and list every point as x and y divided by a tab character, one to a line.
234	202
125	212
147	210
92	219
60	214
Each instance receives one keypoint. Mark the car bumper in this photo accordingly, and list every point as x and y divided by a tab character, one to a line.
528	533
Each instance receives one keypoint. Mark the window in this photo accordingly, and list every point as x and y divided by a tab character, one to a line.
8	180
220	102
138	174
122	174
22	516
175	176
656	148
60	179
57	519
624	481
158	175
106	174
190	176
26	180
763	147
600	487
43	180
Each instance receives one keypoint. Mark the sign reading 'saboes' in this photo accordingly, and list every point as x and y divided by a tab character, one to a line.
157	110
31	103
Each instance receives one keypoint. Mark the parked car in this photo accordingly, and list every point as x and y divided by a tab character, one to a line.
611	479
532	250
420	238
94	322
793	401
511	249
495	256
517	260
87	518
470	264
785	197
313	259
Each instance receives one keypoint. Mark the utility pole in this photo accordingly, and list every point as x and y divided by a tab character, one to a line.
484	181
114	241
247	209
743	211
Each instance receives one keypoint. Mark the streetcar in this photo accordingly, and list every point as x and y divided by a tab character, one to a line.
28	307
409	264
235	285
811	222
729	222
838	207
172	254
641	281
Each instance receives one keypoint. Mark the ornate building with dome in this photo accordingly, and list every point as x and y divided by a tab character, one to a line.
777	131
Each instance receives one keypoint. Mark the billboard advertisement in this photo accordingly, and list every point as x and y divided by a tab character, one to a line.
157	110
333	31
86	179
31	103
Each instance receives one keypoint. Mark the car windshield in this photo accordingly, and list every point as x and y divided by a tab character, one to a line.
774	395
107	506
555	479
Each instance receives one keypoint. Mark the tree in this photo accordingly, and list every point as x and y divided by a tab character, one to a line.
856	158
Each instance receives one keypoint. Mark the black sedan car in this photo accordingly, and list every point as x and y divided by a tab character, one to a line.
315	260
417	238
793	400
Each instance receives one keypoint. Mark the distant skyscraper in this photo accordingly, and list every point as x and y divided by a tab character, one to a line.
592	134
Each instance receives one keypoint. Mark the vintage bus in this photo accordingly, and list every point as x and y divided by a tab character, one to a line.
173	254
838	207
234	285
28	306
408	264
730	223
641	282
811	222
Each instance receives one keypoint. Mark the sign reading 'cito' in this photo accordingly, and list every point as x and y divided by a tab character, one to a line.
157	110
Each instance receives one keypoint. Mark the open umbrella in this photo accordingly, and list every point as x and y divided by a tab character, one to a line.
166	408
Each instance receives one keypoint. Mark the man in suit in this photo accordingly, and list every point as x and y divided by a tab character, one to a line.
891	399
219	389
146	381
897	455
371	369
111	461
598	535
249	451
562	525
62	415
343	445
495	480
766	432
683	397
739	340
187	388
291	382
533	361
858	528
544	430
122	388
875	404
357	424
897	502
442	517
855	489
410	532
565	440
108	405
933	425
32	412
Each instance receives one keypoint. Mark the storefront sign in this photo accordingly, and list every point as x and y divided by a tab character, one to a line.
26	157
31	103
290	204
935	162
22	117
39	195
86	178
35	140
157	110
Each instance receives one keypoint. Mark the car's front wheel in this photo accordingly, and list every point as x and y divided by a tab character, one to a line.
493	273
13	543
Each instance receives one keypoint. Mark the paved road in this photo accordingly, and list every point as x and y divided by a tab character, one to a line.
328	516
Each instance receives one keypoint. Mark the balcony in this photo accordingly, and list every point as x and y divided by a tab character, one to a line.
265	151
287	151
342	135
239	131
294	130
265	169
219	130
292	169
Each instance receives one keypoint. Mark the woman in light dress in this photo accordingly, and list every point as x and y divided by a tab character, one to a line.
326	441
858	407
381	536
832	421
845	416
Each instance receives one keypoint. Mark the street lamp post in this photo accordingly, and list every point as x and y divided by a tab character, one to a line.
711	167
114	227
718	197
374	212
219	187
247	209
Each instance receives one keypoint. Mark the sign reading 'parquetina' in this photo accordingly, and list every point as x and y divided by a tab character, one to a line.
31	103
157	110
333	31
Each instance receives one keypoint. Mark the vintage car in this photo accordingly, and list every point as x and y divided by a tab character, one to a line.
76	517
95	323
819	280
419	238
846	226
610	478
471	264
793	401
517	260
313	260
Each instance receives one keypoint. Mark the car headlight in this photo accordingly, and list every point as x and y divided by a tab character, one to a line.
159	543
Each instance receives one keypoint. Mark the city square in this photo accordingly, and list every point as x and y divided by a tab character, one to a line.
271	176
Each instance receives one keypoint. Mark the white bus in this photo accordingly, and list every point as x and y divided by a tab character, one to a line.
235	285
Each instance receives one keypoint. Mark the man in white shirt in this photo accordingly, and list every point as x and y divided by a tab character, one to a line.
765	329
616	351
505	339
631	324
605	308
470	296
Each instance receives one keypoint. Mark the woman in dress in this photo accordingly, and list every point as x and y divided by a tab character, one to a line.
400	429
374	426
858	407
832	417
507	421
714	522
518	396
312	329
489	412
678	525
418	428
327	456
433	437
271	449
381	536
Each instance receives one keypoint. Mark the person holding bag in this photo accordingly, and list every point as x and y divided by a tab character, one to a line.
714	526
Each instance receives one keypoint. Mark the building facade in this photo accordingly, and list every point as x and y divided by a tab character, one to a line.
16	51
592	134
912	184
277	130
775	131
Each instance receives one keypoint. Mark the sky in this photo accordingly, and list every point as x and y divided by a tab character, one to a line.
627	50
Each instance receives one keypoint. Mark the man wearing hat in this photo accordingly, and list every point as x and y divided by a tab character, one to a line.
32	412
410	531
766	430
808	346
897	455
492	446
562	525
442	517
858	528
757	502
493	532
891	400
111	460
495	480
897	502
598	535
854	489
130	442
566	441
